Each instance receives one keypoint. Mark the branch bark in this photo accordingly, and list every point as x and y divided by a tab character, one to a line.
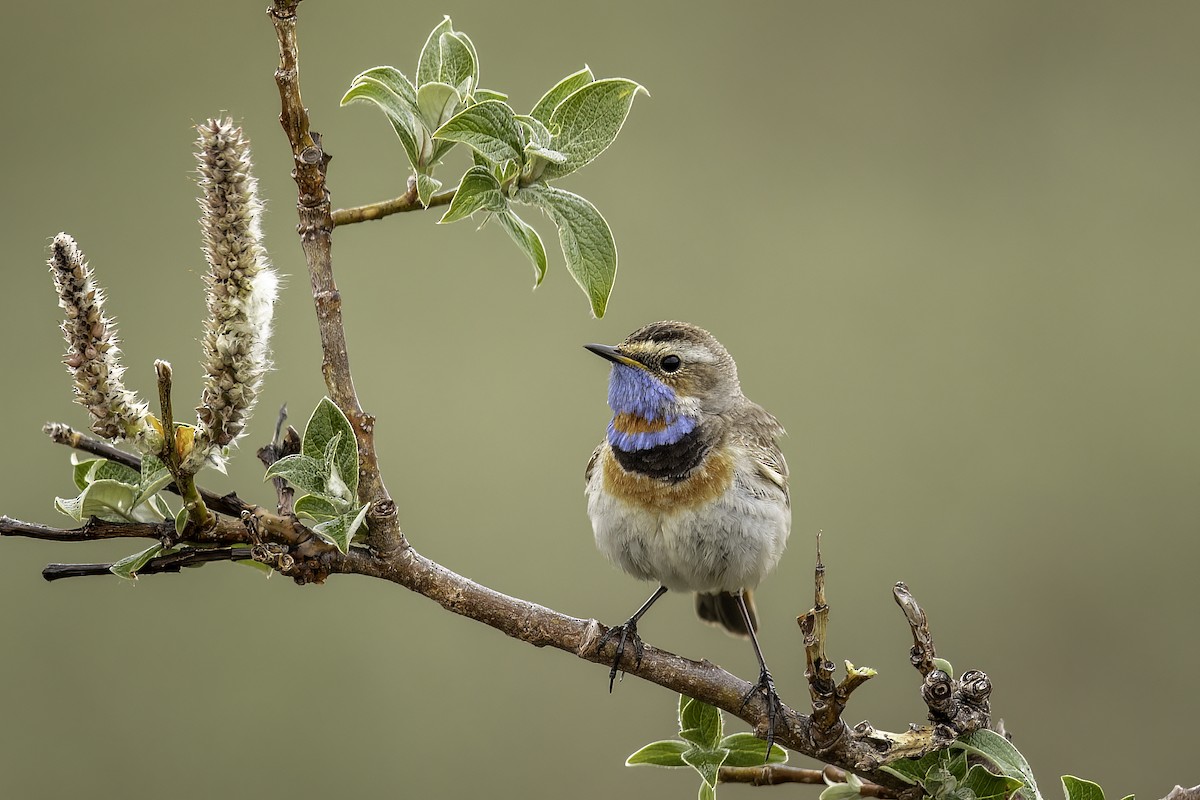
775	774
315	230
171	562
385	208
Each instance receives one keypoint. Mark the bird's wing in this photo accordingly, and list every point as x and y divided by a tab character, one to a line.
771	464
762	431
591	465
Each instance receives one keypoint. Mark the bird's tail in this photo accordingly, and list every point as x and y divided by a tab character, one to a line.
721	608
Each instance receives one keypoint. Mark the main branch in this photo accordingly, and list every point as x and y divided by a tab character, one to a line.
315	229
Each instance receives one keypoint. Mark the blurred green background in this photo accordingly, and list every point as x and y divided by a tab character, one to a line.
951	245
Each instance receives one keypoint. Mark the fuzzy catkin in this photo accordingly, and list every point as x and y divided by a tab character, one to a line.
93	349
241	287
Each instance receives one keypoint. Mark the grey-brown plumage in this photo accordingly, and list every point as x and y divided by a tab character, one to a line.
689	487
724	460
722	609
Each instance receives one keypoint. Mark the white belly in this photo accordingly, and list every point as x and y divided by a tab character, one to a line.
726	544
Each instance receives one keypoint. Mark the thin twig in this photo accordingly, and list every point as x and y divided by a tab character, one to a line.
828	699
819	669
316	229
171	562
384	208
774	774
953	704
185	480
94	529
282	444
923	651
225	531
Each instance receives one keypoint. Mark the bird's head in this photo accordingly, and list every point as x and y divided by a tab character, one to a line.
667	377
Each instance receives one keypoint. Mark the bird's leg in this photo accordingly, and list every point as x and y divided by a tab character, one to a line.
628	632
766	683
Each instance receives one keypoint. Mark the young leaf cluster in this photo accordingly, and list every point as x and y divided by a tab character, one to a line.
325	473
983	765
116	493
948	775
702	747
516	156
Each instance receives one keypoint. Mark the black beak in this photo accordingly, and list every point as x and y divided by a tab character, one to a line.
611	353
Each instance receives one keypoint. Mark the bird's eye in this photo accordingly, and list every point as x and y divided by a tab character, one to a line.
671	364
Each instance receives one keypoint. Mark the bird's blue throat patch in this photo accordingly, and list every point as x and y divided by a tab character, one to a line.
643	409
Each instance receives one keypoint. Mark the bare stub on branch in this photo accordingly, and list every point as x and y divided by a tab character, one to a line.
955	707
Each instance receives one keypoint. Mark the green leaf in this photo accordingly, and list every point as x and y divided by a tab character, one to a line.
436	103
528	240
394	81
181	520
914	770
667	753
158	506
114	471
545	153
1000	752
151	467
944	665
401	111
340	530
81	469
257	565
988	786
699	722
427	186
840	791
336	488
561	90
327	421
488	128
940	784
302	472
483	95
127	567
154	478
429	65
315	507
458	60
535	131
477	190
956	762
109	500
587	122
747	750
1079	789
902	773
706	762
586	240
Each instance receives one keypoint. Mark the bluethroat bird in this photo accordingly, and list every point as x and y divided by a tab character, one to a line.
688	488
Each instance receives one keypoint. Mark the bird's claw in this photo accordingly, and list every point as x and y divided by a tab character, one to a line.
628	633
766	685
